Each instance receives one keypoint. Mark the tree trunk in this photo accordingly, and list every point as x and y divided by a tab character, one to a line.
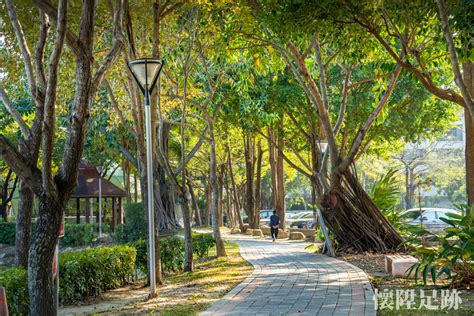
220	248
197	211
249	152
278	175
235	194
23	225
468	74
258	185
230	207
281	204
220	184
188	242
41	254
126	180
208	202
354	218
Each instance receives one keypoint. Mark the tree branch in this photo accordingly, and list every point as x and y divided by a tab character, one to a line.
342	110
50	100
25	51
22	166
25	130
454	58
365	128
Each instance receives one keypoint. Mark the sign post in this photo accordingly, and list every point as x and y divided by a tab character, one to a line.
56	265
3	302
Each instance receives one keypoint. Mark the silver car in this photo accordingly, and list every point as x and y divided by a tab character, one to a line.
431	218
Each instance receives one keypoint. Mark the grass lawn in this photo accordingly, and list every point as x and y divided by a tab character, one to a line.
187	293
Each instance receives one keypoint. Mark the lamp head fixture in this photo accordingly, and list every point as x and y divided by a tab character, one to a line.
323	145
145	71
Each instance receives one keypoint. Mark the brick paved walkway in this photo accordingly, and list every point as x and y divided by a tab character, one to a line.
290	281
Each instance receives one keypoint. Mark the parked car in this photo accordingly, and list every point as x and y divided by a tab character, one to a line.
431	217
298	217
290	216
306	221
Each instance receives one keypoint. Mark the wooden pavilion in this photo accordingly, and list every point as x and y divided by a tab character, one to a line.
88	189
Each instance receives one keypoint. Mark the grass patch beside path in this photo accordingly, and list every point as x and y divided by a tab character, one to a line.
191	293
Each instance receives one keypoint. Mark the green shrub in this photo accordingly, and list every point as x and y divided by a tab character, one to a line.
141	262
453	252
172	253
74	234
15	282
92	271
385	193
7	233
202	243
78	235
135	227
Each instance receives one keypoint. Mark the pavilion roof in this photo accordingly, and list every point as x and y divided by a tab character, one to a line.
88	184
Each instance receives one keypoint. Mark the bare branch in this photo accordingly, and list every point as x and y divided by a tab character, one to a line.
116	46
117	109
50	100
39	51
25	51
20	165
293	165
342	109
25	130
365	128
71	39
454	58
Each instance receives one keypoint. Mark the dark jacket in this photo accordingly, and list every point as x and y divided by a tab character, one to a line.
274	220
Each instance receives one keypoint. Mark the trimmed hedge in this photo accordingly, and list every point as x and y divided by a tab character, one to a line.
202	243
7	233
15	282
172	251
82	274
92	271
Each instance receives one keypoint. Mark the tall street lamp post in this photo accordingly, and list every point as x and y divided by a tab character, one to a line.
146	72
323	145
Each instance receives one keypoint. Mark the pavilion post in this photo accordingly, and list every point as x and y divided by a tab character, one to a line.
120	212
78	210
97	215
113	214
88	209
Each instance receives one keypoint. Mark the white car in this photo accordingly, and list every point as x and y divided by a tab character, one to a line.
431	217
290	217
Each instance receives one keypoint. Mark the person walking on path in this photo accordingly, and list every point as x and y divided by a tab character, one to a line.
274	222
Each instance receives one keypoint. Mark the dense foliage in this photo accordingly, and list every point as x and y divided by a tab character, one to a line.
15	282
75	235
7	233
202	243
172	251
135	226
450	254
79	234
90	272
81	274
